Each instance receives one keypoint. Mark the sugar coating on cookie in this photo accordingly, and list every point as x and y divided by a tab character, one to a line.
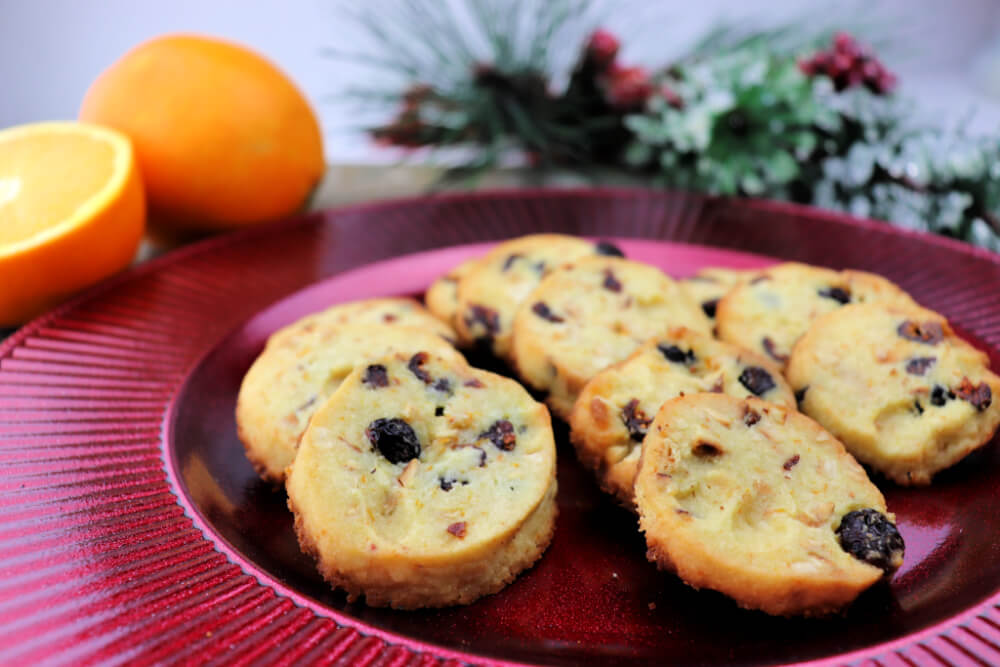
899	388
583	318
441	298
613	412
768	313
396	311
760	503
297	372
489	294
424	482
709	285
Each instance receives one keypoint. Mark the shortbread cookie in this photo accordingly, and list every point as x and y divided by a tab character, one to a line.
441	297
397	311
612	413
296	373
489	294
769	313
760	503
583	318
898	387
424	482
709	285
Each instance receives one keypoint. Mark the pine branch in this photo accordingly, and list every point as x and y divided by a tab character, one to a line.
738	114
976	210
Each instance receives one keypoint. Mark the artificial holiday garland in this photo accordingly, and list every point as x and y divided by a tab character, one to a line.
751	115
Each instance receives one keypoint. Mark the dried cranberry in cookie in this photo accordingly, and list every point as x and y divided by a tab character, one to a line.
870	536
441	297
768	313
301	368
709	285
609	249
575	324
375	376
612	414
490	291
416	496
757	501
898	387
394	439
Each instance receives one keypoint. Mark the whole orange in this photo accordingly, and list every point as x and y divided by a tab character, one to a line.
223	137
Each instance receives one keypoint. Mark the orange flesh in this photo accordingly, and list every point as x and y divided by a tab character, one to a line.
60	171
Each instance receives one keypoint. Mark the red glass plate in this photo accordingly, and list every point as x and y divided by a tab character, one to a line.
132	529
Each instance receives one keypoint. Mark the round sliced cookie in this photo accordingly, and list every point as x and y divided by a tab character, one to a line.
433	486
396	311
709	285
903	392
296	373
587	316
768	313
757	501
489	294
613	412
441	297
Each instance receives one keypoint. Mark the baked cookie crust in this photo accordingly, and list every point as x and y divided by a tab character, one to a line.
424	482
752	499
904	393
612	414
587	316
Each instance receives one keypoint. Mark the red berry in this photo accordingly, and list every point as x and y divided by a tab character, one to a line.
628	87
886	83
602	47
844	42
672	98
849	64
871	69
842	62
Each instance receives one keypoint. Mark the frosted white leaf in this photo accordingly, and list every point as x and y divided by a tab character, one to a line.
860	206
860	163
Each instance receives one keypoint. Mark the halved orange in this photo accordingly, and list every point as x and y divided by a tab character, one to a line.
72	212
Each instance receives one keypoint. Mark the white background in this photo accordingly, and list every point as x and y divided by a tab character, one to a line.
947	52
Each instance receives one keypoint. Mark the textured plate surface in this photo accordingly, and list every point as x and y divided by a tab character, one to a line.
133	530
